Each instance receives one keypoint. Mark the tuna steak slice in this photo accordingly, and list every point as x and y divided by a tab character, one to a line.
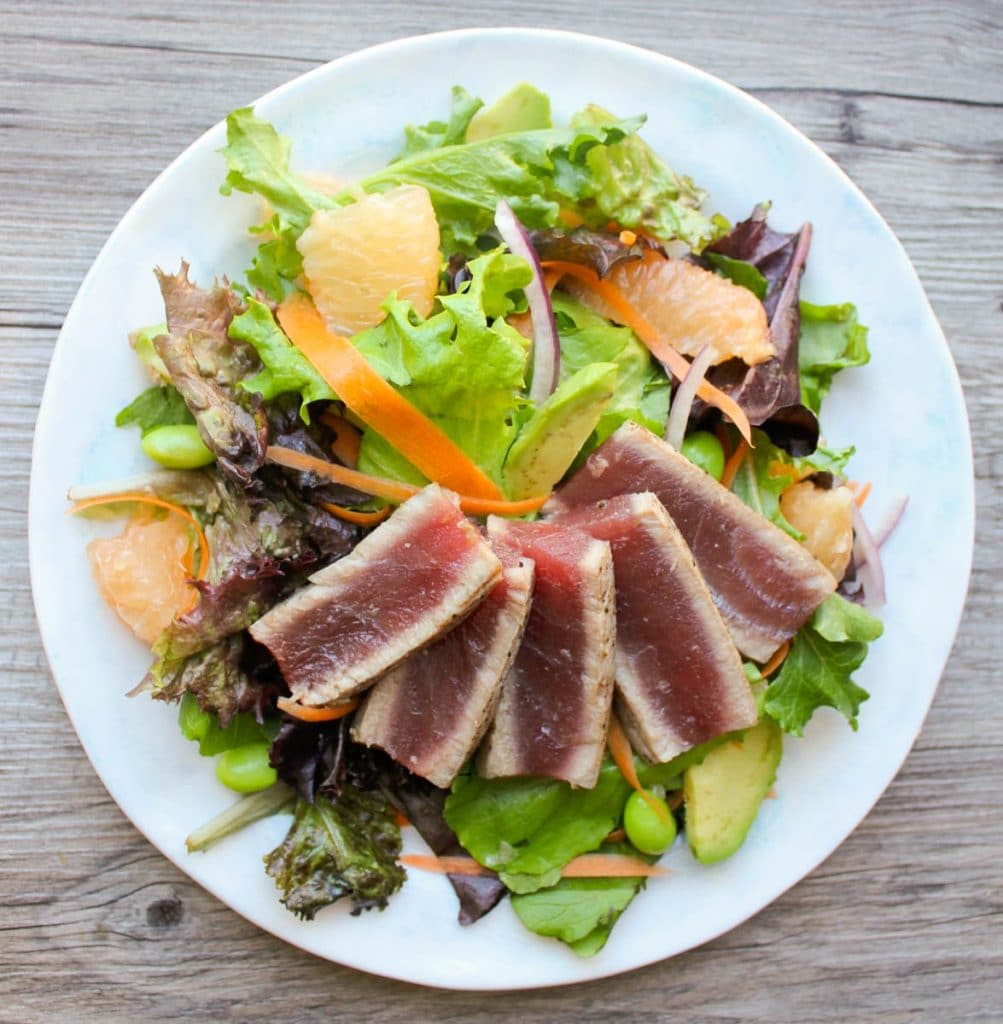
408	581
679	679
555	702
764	583
431	711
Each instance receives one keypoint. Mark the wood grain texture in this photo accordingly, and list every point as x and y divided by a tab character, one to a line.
903	922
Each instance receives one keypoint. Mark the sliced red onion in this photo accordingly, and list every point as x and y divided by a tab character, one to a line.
892	519
682	402
546	342
867	559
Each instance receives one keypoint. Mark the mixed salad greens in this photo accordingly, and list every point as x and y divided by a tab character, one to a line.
467	351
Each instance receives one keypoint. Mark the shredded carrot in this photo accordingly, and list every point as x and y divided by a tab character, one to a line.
377	404
734	463
623	757
618	835
402	821
358	516
347	438
570	219
550	279
149	499
611	865
445	865
308	714
776	660
393	490
678	365
862	494
588	865
779	469
628	237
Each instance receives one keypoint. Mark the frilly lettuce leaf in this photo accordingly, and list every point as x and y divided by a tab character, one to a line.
832	339
435	134
817	672
337	848
159	406
285	368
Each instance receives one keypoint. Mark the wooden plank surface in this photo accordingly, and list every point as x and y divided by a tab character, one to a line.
903	923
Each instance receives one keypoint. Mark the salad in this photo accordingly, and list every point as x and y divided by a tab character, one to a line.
493	502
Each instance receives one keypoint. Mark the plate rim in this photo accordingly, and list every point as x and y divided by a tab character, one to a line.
967	526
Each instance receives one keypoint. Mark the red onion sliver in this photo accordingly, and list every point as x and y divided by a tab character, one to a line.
868	561
546	342
682	403
892	519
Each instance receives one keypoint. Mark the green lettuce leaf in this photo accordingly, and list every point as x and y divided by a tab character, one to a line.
336	848
760	488
642	389
579	911
832	339
435	134
628	182
285	367
159	406
740	272
817	672
527	829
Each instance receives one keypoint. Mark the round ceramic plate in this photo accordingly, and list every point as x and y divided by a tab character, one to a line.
904	411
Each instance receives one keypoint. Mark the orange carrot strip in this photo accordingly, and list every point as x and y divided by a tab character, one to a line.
358	516
628	237
861	495
308	714
735	460
628	314
444	865
570	219
588	865
377	404
623	757
393	490
611	865
347	438
618	835
402	821
776	661
149	499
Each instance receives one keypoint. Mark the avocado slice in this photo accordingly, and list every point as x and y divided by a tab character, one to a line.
724	791
522	109
548	443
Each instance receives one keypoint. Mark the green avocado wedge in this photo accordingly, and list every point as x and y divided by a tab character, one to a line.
548	443
723	793
522	109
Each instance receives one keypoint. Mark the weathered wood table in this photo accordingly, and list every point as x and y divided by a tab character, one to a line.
903	923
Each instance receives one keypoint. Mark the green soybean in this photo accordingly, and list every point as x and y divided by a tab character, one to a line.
246	769
648	830
194	722
704	450
177	447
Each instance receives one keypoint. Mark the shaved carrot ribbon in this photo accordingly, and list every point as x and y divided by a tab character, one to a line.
734	463
307	714
628	314
379	405
393	490
862	494
776	661
347	438
149	499
589	865
358	516
402	821
623	757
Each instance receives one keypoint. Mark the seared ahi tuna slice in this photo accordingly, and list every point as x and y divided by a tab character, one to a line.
410	580
679	679
555	703
431	711
764	583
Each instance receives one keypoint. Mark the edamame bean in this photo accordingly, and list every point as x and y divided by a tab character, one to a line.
194	722
177	447
246	769
703	449
648	830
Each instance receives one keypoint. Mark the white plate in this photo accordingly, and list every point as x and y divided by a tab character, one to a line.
904	411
